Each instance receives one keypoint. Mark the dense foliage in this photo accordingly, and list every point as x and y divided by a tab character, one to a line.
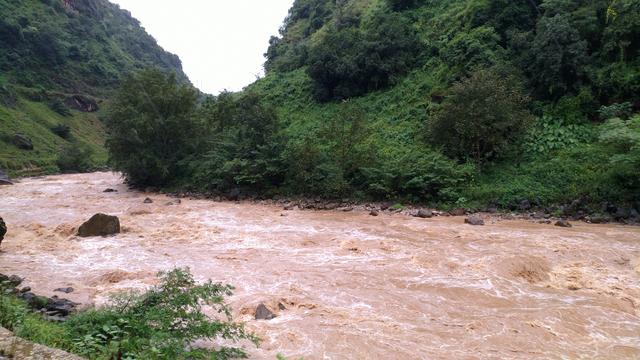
162	323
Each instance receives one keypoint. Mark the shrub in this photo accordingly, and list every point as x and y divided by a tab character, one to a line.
162	323
623	138
621	111
62	130
58	106
482	114
75	157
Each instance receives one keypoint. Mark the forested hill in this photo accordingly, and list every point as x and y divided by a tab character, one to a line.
59	61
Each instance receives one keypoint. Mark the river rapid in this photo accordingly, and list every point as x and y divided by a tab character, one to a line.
353	286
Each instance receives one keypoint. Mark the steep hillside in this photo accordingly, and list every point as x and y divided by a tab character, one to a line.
395	63
59	62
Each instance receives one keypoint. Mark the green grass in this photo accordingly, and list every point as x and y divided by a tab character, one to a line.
35	120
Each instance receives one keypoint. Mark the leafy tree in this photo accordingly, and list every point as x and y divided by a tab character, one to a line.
151	127
244	145
622	34
482	114
559	56
350	62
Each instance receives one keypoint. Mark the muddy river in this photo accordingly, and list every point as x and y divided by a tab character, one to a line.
354	286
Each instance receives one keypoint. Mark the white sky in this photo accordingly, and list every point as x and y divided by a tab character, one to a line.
220	42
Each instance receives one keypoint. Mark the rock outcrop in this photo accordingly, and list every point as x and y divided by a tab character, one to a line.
3	230
100	225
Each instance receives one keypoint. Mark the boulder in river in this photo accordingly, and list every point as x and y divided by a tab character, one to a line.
374	213
148	201
4	178
563	223
263	313
100	225
3	230
110	190
475	220
457	212
424	214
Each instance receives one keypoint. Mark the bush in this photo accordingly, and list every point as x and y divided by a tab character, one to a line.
482	114
62	130
162	323
58	106
621	111
623	139
75	158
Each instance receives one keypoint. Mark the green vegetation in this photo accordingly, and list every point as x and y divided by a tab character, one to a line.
53	53
161	323
478	103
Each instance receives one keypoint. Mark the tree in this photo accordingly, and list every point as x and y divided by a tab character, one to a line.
244	145
482	114
351	61
559	55
151	127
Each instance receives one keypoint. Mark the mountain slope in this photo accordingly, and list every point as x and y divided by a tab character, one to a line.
394	62
59	61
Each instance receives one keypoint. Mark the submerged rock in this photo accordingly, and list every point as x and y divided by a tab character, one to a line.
100	225
475	220
458	212
424	214
263	313
374	213
110	190
148	201
563	223
66	290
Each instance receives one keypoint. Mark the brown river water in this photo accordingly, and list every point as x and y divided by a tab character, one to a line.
354	286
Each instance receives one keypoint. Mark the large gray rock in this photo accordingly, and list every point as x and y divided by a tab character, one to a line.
424	214
100	225
474	219
263	313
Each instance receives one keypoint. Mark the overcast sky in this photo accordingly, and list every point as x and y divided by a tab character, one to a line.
221	43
